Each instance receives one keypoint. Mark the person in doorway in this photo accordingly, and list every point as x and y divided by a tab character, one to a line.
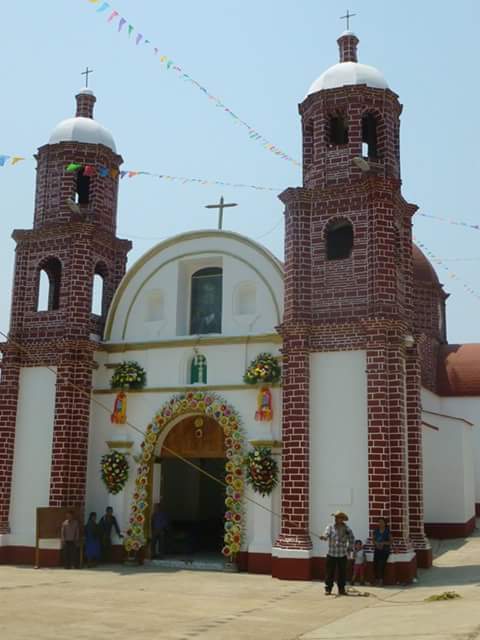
340	540
92	540
359	563
159	529
106	524
70	537
382	539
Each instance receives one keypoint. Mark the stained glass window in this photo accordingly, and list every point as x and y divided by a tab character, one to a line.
206	301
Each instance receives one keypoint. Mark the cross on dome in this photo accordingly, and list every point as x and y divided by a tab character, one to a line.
347	17
87	72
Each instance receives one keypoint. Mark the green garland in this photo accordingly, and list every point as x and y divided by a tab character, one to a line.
262	470
114	471
264	369
128	375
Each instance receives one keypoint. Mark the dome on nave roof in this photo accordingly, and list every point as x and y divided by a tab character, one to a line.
83	128
348	71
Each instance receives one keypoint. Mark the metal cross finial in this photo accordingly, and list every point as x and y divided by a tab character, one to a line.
85	73
347	17
221	206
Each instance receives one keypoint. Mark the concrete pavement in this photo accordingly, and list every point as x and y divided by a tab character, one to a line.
125	603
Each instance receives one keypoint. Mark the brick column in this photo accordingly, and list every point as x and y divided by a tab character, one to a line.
387	444
415	460
10	371
292	550
70	432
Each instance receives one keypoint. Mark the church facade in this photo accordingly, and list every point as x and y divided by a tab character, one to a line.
376	413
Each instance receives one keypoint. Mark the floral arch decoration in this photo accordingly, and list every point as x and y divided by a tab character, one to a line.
214	406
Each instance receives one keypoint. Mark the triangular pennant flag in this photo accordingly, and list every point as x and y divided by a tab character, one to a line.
103	7
16	159
103	172
72	167
121	24
113	15
131	174
3	159
139	38
114	173
130	29
88	170
123	174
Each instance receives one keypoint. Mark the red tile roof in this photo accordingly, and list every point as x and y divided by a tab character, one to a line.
459	370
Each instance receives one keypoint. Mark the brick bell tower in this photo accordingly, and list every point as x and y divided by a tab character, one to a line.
348	286
73	240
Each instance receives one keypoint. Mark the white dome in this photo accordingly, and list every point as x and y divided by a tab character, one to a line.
349	73
82	130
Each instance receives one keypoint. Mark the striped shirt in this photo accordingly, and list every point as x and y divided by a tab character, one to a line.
340	540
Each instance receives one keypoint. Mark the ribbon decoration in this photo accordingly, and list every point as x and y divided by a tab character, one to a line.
13	159
169	64
451	221
451	274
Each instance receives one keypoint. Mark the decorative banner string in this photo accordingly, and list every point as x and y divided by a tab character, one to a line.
451	221
103	172
167	63
5	159
451	274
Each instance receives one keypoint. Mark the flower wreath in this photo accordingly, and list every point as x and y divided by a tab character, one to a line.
128	375
264	368
114	471
262	470
210	405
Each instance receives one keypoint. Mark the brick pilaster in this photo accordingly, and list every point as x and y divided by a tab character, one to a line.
415	453
10	371
387	430
71	426
294	531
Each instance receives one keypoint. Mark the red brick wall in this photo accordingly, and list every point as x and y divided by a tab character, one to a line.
8	413
361	302
61	337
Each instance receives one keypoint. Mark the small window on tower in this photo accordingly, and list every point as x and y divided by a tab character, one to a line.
339	241
82	193
338	130
98	291
369	136
48	285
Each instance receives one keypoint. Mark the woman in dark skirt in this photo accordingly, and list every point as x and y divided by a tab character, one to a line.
382	539
92	540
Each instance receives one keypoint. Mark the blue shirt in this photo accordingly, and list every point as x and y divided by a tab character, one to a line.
384	537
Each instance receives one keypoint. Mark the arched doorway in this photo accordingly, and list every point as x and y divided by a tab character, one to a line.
192	404
192	499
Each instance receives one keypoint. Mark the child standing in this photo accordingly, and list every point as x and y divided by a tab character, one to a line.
359	563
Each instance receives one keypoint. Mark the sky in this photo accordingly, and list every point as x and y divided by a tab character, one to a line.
259	58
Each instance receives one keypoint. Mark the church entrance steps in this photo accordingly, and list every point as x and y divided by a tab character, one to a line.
195	562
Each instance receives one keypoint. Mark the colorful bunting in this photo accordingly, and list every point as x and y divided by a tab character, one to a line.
72	167
104	172
168	64
451	274
451	221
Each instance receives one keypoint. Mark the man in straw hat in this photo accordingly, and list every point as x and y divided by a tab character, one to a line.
341	541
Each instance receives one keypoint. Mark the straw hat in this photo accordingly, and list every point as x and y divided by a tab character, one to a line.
340	514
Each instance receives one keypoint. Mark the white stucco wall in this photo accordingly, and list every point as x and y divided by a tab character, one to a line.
33	451
338	441
448	462
469	408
